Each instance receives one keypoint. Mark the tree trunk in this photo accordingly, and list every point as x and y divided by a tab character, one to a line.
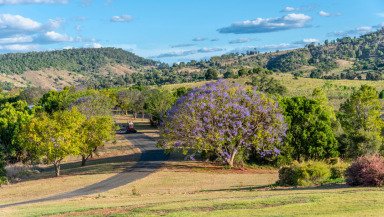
230	161
142	117
83	160
134	115
57	168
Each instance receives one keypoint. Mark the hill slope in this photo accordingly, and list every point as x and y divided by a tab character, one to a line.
56	69
345	58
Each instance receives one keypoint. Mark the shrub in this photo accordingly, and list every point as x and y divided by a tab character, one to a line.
312	171
338	170
304	174
366	171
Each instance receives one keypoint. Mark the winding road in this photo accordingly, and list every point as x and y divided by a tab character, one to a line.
151	159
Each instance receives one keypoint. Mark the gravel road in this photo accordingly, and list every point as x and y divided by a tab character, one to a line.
151	159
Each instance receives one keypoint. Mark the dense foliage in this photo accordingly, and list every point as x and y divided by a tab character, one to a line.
224	118
75	60
309	134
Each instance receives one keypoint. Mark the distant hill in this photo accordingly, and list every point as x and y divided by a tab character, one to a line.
343	58
56	69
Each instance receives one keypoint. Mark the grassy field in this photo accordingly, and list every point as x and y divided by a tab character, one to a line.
182	188
337	90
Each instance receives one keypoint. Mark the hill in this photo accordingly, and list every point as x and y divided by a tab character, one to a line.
344	58
56	69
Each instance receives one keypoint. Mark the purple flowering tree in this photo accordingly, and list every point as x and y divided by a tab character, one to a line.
127	99
225	118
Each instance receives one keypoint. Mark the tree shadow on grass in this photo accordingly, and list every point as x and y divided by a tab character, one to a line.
93	166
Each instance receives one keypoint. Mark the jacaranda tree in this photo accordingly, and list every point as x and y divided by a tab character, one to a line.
225	118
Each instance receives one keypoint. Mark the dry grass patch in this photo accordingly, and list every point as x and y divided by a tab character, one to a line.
111	160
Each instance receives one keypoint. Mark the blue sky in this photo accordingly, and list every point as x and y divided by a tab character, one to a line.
174	31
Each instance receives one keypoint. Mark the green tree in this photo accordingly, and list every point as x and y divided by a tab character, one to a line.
319	95
268	85
361	121
1	87
229	74
242	72
55	137
95	131
158	103
3	172
309	133
211	74
12	118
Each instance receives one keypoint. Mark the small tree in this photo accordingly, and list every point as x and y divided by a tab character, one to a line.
309	132
54	137
224	118
211	74
127	99
99	126
361	121
158	103
242	72
268	85
95	131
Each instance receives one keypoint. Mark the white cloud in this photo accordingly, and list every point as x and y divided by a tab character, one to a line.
271	47
215	39
243	40
357	31
69	47
54	37
78	27
259	25
122	18
199	39
207	50
380	14
108	3
304	8
182	45
77	19
289	9
307	41
325	14
21	47
20	39
186	53
27	2
93	45
86	3
12	25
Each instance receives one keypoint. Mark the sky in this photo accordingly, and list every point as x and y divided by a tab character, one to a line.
174	31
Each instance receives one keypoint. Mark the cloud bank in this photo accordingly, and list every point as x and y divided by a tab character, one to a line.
186	53
325	14
260	25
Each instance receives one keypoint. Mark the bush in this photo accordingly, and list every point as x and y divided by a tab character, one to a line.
366	171
338	170
304	174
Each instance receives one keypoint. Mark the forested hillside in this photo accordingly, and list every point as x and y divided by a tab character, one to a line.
344	58
66	67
